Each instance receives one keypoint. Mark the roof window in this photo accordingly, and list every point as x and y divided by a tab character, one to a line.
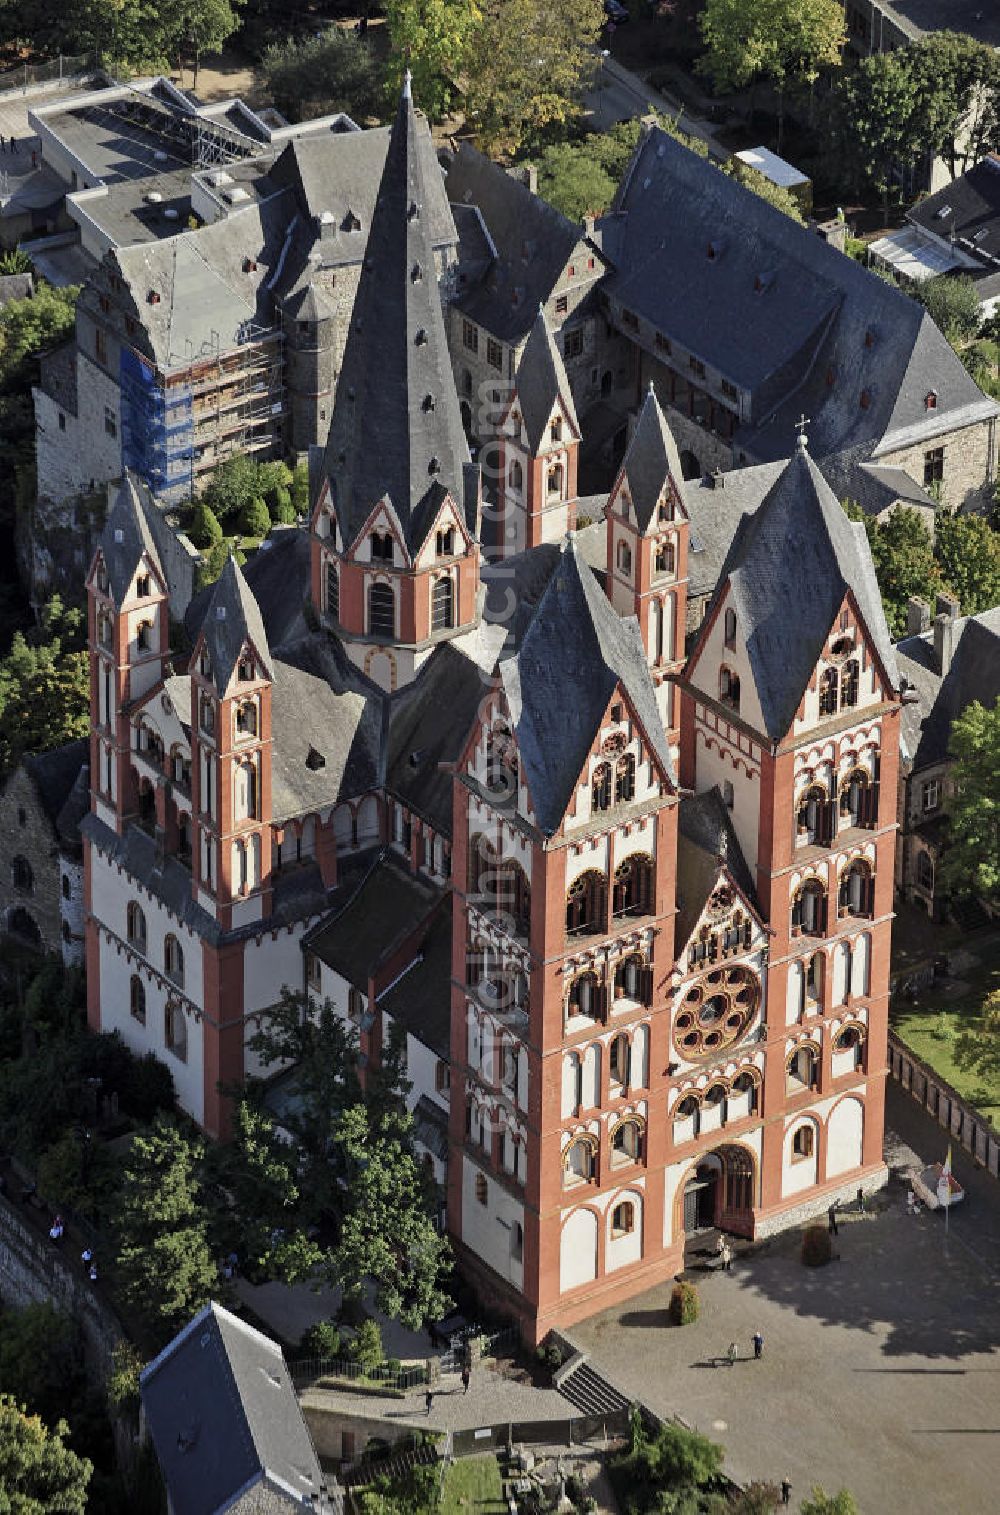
153	297
315	760
930	400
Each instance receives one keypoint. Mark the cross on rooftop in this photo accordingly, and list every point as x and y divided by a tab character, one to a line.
802	439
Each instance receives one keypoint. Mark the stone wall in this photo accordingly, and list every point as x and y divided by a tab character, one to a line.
28	834
33	1272
969	463
815	1205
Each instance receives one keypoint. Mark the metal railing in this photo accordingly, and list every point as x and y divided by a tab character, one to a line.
62	70
309	1370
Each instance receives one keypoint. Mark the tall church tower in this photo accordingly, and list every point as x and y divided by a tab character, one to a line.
128	638
565	835
539	448
395	527
231	678
791	706
647	552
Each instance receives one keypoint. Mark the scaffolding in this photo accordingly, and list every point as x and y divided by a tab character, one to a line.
180	425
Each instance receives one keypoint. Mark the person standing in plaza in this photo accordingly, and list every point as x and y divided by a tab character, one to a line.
786	1491
466	1376
832	1215
733	1354
758	1345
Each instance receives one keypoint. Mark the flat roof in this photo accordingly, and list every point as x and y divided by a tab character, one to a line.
778	170
914	256
127	214
978	18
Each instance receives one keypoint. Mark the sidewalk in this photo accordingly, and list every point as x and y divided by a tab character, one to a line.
619	95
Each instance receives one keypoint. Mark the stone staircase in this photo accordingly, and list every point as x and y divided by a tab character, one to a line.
586	1390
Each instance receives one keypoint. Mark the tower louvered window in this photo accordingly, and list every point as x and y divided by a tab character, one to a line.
332	591
381	610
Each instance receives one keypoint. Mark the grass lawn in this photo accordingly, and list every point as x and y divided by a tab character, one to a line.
941	1008
473	1487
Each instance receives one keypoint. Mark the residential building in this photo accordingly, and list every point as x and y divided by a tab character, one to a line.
41	887
946	663
630	909
880	26
956	231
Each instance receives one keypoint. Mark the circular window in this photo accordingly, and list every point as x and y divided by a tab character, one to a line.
716	1012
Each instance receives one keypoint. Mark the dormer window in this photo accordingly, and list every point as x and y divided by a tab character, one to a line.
244	670
930	400
381	546
142	586
445	542
665	511
555	429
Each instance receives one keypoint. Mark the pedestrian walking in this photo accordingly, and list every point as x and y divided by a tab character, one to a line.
93	1271
758	1345
3	143
429	1400
733	1353
57	1230
726	1255
786	1491
832	1215
466	1379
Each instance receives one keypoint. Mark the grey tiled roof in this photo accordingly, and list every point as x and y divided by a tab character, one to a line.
396	430
386	907
966	210
541	381
232	618
533	243
574	654
706	842
224	1419
974	674
127	536
780	312
790	565
421	999
54	774
328	731
430	721
715	507
650	459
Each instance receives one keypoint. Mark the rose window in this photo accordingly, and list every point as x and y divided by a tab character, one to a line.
716	1011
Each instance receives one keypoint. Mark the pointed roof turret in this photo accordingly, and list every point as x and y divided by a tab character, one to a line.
232	619
650	459
541	381
397	430
790	565
127	537
573	656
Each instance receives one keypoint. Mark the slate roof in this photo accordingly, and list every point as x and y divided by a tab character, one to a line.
421	999
573	655
396	429
715	507
790	565
650	459
974	674
706	842
533	243
966	211
815	329
74	808
224	1419
55	774
430	720
328	733
541	381
386	907
232	619
127	536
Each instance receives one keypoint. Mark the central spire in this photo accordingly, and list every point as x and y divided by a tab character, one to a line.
396	430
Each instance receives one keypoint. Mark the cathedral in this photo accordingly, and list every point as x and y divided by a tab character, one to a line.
445	760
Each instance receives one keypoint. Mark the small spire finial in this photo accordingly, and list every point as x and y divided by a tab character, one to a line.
802	440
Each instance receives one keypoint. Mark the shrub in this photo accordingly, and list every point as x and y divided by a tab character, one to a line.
817	1247
281	507
300	489
683	1304
204	529
366	1348
321	1340
256	519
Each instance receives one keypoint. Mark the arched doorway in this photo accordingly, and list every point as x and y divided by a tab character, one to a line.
721	1192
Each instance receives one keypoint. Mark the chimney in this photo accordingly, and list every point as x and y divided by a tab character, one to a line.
589	222
526	174
716	479
945	622
918	616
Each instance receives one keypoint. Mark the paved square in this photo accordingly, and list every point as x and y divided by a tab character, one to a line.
880	1372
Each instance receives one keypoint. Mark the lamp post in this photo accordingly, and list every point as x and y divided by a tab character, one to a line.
605	53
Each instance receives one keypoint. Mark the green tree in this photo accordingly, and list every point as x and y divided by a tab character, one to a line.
530	65
774	194
904	562
317	76
259	1168
41	1359
281	507
967	548
161	1229
256	518
977	1048
958	84
971	862
300	489
44	687
783	41
953	306
820	1503
431	38
755	1499
204	530
14	261
194	27
39	1475
572	180
877	120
